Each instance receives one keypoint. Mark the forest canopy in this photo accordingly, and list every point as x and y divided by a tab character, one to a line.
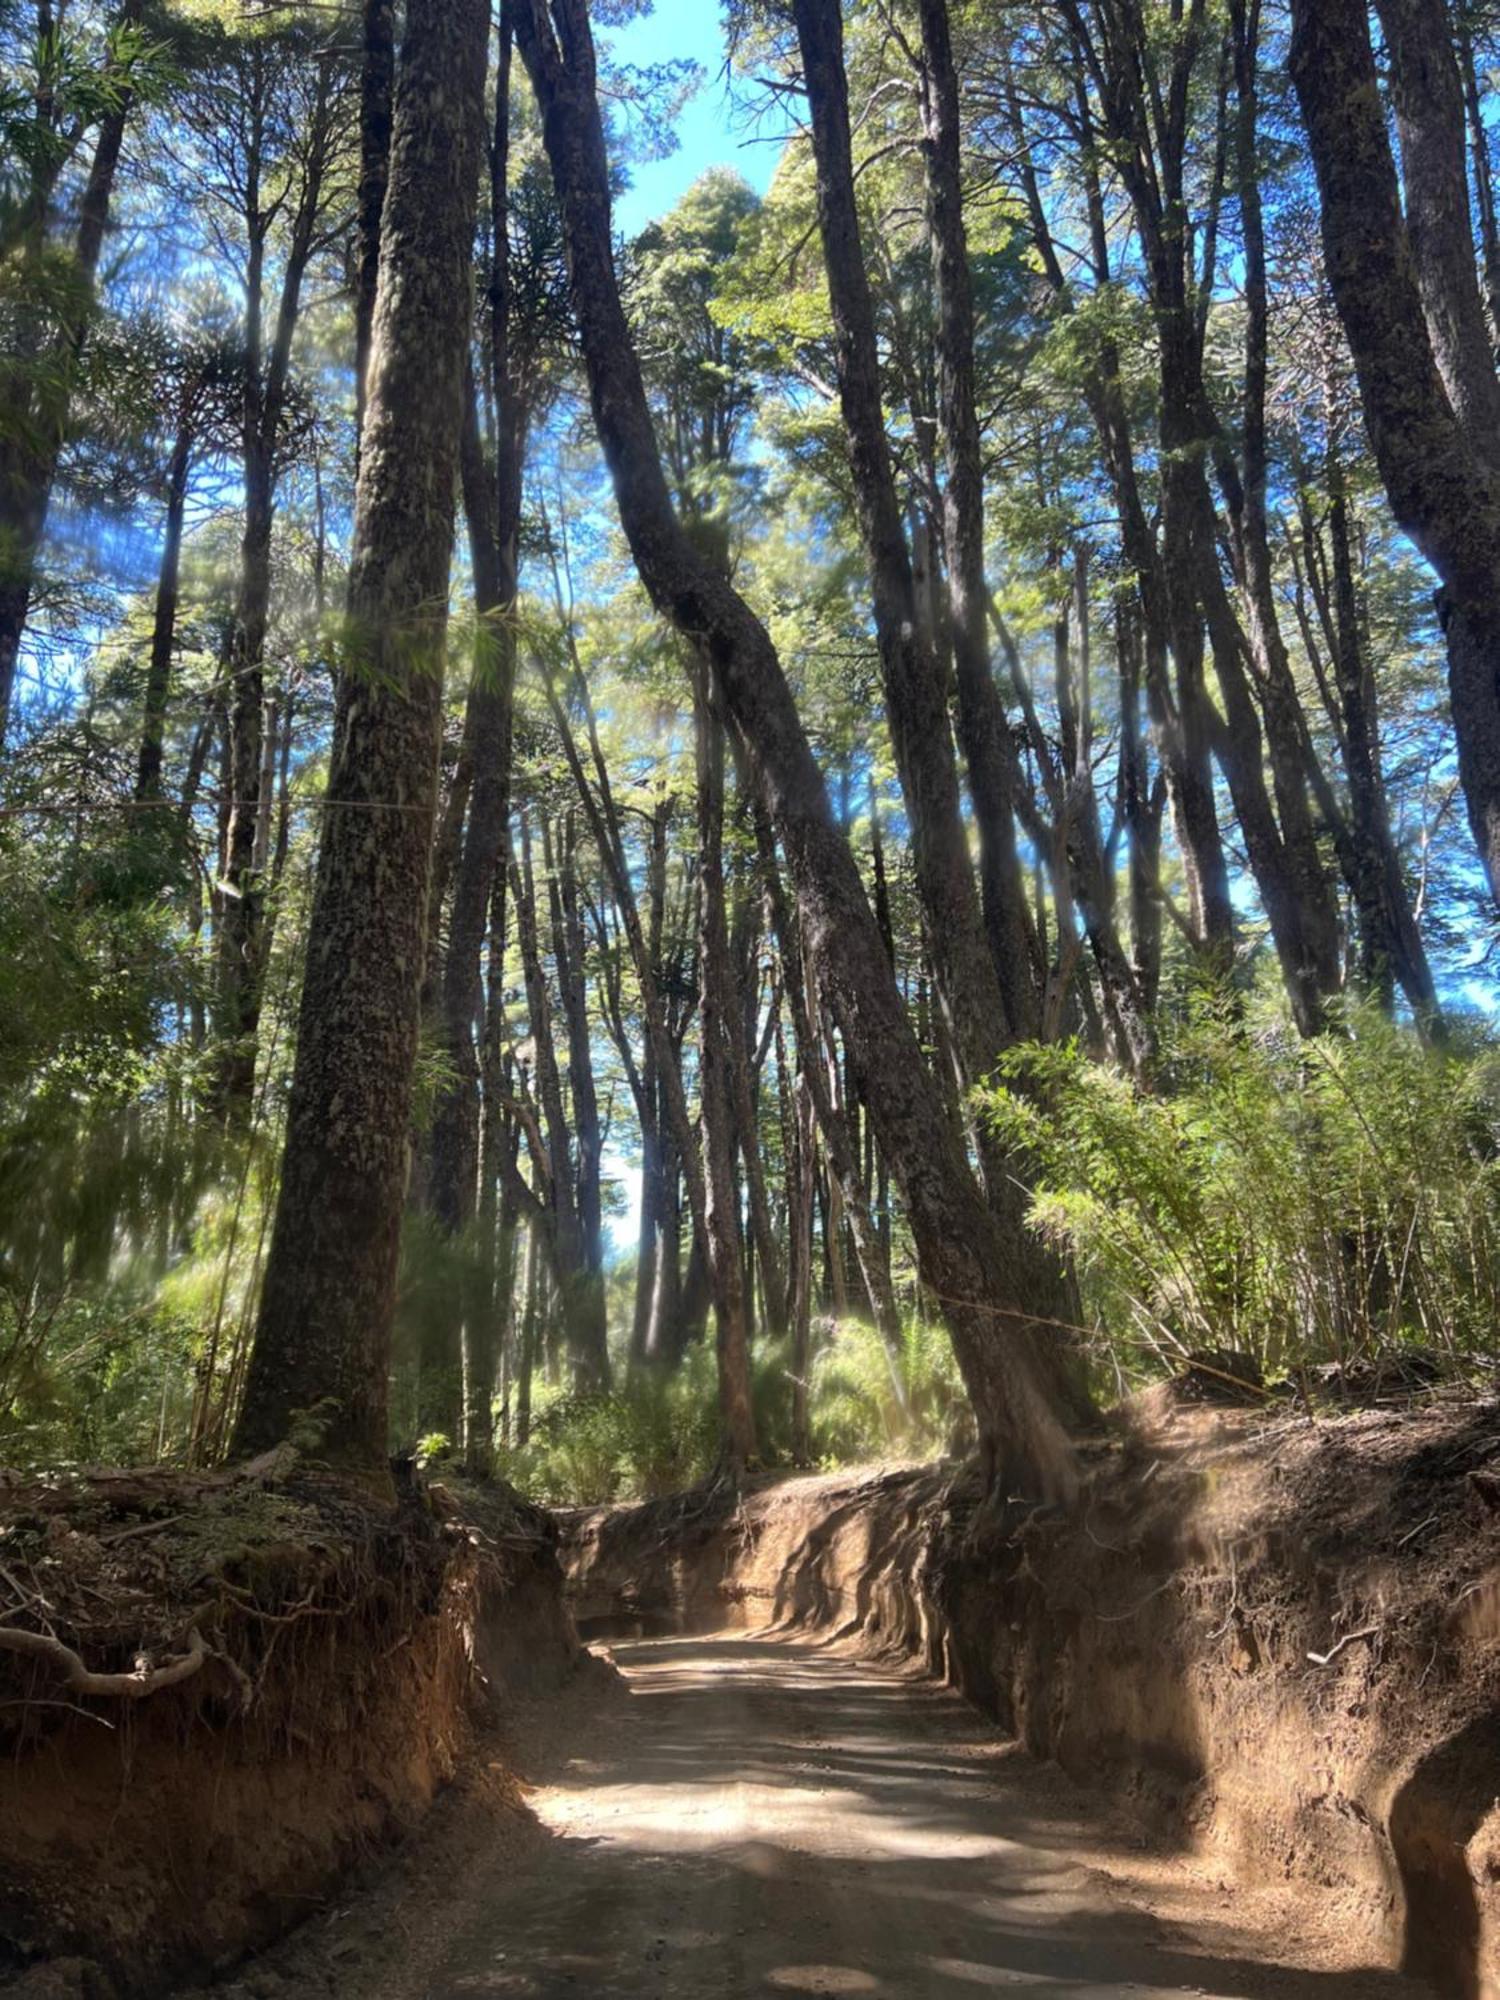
844	823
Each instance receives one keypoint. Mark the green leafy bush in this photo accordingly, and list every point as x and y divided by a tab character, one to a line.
867	1403
660	1434
1301	1202
655	1435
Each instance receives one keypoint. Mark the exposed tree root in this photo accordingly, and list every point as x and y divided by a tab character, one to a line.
140	1681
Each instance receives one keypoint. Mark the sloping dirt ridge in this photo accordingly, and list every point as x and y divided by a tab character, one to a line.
338	1659
1279	1638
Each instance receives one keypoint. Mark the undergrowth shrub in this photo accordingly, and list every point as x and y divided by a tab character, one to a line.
659	1434
656	1434
1301	1202
866	1402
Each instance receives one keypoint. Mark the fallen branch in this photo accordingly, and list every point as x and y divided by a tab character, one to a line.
76	1676
141	1528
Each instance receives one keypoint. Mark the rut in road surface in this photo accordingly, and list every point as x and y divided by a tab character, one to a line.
771	1817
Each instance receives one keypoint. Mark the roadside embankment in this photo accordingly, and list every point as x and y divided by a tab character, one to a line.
219	1692
1280	1638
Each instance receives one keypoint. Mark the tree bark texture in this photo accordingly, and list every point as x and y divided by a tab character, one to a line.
717	1022
323	1336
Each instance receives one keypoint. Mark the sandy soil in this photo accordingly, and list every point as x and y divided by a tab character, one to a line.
767	1816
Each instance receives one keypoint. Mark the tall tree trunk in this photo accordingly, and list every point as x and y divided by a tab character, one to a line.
1021	1379
1442	490
323	1338
491	1322
527	1346
377	87
1287	738
1082	835
744	1097
839	1149
585	1331
267	365
1141	805
588	1139
915	701
801	1198
1392	943
164	623
1484	179
914	695
480	873
717	1021
1430	122
983	726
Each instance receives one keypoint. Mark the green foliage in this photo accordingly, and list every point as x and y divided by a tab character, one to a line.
867	1403
90	1377
660	1433
657	1435
1302	1202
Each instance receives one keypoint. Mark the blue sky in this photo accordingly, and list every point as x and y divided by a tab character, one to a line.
709	133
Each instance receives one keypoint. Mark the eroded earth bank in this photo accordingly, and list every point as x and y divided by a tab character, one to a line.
1264	1654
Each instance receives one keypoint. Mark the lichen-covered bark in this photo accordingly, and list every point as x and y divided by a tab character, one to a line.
323	1337
1011	1364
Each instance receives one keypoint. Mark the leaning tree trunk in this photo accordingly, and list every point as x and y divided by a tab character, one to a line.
322	1343
1019	1376
1441	488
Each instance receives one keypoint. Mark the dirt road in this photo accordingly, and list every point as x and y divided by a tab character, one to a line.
773	1818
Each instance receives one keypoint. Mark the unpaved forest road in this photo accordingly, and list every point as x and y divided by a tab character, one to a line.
772	1818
